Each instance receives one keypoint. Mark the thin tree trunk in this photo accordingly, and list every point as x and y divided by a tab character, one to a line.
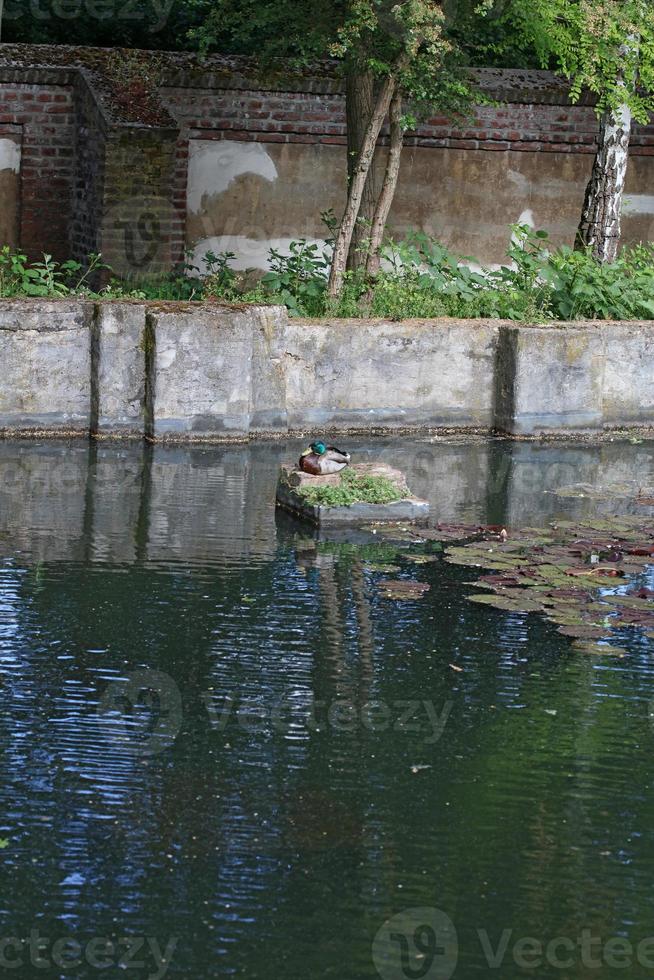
360	102
357	184
389	185
600	225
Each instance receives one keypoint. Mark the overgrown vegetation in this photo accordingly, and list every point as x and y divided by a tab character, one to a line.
420	278
18	277
355	489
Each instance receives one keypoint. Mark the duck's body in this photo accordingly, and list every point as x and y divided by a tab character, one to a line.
320	460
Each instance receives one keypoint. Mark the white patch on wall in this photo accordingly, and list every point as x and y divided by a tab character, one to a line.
527	218
9	155
638	204
250	252
215	164
520	181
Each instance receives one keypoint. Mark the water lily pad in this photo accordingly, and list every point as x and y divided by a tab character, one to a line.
598	649
632	602
583	632
519	604
564	572
402	589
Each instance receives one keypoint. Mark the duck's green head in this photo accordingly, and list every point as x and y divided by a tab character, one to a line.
319	448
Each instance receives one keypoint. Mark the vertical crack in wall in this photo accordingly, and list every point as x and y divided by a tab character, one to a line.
150	353
94	413
505	380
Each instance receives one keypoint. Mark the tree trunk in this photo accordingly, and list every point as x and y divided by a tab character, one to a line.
357	185
600	225
360	103
389	185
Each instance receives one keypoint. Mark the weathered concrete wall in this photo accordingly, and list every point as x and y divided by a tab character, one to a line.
575	377
119	343
628	384
246	197
216	373
549	379
205	372
45	353
384	374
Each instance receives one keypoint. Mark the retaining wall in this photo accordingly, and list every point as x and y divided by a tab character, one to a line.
205	372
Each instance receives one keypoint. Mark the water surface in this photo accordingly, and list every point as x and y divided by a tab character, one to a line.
217	734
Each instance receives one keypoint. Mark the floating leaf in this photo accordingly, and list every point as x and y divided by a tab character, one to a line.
508	603
565	573
598	649
583	632
402	589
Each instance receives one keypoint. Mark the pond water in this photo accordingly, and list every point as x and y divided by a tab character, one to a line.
220	740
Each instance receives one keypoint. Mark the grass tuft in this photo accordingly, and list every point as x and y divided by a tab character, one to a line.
354	489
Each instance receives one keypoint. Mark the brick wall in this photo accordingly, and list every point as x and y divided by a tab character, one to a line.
45	114
142	228
88	185
302	117
96	178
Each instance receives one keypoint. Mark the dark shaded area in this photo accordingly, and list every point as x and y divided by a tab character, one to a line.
151	24
164	25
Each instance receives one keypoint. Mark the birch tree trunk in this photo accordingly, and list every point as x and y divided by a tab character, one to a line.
360	102
357	185
600	226
389	185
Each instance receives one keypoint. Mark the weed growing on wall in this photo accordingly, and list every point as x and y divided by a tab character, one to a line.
420	278
18	277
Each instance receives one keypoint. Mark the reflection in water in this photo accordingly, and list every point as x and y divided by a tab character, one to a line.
302	761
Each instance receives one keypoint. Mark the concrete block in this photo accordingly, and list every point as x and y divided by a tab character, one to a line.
628	374
119	354
549	380
45	353
366	374
202	373
268	395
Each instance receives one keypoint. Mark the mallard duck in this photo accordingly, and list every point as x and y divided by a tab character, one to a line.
320	459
